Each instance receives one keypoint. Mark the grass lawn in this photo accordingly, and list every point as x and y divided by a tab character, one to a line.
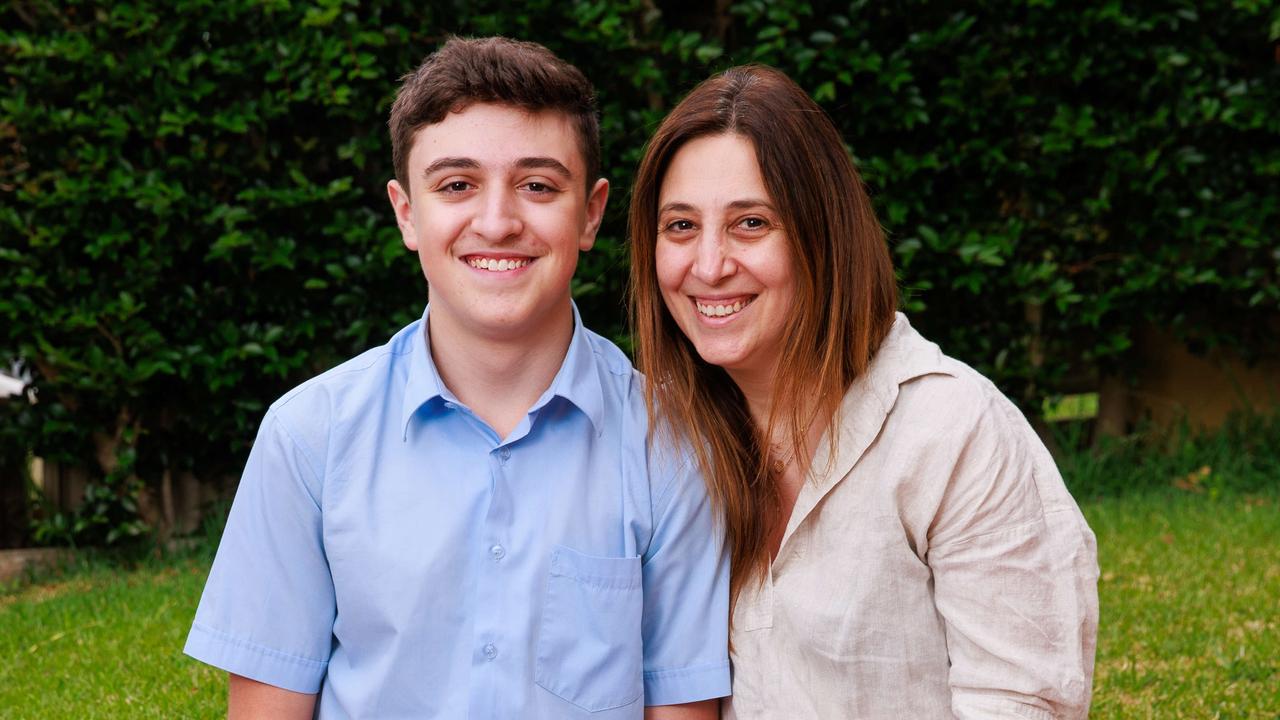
1190	596
99	641
1190	593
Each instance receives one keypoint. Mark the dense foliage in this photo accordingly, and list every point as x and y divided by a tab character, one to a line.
193	215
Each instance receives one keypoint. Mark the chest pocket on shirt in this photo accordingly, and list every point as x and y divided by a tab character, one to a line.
589	645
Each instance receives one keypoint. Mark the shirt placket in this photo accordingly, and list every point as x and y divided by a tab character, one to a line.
495	658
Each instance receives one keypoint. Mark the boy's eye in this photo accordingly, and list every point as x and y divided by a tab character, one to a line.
457	186
539	187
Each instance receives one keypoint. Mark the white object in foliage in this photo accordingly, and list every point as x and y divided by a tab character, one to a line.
10	386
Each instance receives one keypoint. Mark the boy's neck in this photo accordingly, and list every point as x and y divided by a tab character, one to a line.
500	378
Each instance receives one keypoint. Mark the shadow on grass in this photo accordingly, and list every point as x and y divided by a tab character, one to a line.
1242	456
147	552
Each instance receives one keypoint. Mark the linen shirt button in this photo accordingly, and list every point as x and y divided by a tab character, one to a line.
498	552
490	651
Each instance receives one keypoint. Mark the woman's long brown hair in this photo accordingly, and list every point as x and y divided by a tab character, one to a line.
844	306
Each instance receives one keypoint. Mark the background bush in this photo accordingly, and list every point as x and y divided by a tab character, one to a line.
193	214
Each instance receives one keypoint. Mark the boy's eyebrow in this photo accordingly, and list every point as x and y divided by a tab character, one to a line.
450	163
543	163
525	163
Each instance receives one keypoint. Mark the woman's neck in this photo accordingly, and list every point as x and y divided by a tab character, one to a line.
789	458
757	390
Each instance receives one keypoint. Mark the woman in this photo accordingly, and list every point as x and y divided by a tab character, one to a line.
902	544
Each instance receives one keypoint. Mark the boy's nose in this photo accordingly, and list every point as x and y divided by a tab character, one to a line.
498	218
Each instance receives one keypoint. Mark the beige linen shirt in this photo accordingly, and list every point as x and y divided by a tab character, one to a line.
937	568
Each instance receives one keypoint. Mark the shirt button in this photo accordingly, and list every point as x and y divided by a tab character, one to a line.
490	651
498	552
505	454
451	406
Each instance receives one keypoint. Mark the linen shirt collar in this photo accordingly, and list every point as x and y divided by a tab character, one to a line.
577	380
903	356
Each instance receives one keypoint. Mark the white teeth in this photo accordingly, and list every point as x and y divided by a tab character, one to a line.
721	310
482	263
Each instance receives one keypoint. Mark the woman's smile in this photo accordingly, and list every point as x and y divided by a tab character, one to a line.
721	308
723	260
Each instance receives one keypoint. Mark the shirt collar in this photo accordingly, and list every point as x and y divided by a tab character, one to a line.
578	379
903	355
424	383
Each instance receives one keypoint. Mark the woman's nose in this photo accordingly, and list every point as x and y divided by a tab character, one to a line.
712	262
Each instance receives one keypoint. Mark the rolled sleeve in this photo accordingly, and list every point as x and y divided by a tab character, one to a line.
686	598
1020	607
268	607
1015	581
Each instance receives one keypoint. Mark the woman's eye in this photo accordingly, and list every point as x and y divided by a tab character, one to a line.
754	223
680	226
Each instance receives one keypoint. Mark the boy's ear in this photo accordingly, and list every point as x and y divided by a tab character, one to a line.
596	200
404	213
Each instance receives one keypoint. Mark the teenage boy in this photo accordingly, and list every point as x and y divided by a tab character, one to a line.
470	521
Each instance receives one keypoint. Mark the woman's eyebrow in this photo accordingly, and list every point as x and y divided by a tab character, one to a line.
749	203
746	204
676	207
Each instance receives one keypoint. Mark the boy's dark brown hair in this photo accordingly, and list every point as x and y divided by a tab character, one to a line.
466	71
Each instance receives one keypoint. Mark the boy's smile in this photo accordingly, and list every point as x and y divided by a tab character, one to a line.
498	215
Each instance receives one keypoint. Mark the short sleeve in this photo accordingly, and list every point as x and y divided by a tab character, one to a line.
267	611
686	593
1015	577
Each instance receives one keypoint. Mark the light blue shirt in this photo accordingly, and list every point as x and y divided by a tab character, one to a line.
387	549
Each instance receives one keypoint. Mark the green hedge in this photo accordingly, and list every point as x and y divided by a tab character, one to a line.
193	217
